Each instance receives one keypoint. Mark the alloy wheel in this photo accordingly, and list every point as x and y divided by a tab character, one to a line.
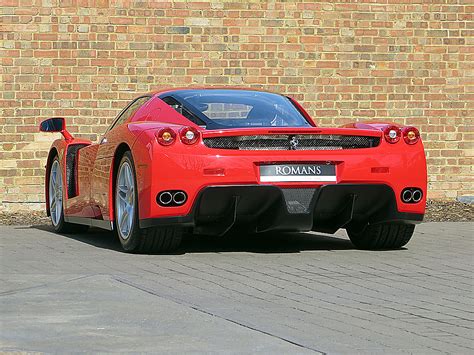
55	193
125	200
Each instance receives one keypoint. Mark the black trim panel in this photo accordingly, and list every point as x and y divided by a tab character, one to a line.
92	222
71	168
187	220
260	208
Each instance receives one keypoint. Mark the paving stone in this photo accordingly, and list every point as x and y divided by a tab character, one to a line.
277	293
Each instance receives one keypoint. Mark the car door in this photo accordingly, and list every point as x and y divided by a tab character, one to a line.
101	194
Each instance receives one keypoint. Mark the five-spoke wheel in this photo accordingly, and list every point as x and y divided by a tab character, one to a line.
125	202
55	193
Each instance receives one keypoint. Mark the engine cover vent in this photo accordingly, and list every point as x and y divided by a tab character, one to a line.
292	142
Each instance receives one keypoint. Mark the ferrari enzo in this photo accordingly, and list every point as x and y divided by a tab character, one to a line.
216	161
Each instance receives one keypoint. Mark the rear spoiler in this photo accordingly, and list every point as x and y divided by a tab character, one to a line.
290	131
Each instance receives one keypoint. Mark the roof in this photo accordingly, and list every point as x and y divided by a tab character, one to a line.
169	90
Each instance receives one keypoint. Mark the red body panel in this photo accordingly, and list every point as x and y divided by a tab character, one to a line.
183	167
191	168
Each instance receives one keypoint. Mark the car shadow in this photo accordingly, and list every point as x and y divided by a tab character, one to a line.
94	236
265	243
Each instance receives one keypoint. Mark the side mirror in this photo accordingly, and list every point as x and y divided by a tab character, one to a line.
55	124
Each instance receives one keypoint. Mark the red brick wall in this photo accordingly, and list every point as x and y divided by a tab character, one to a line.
406	61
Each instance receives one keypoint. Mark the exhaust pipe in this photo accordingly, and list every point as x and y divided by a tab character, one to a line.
171	198
407	195
165	198
417	195
179	197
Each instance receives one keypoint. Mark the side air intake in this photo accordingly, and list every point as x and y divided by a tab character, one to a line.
71	169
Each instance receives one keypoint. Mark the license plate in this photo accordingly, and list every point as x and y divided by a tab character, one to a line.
297	172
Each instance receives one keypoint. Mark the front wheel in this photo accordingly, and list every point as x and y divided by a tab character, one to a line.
382	236
132	238
55	198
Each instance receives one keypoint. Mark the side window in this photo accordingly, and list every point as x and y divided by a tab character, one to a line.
129	111
182	110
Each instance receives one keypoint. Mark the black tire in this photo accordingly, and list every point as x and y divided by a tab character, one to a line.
150	240
160	240
382	236
62	226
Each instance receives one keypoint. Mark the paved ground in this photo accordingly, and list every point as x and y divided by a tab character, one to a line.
283	293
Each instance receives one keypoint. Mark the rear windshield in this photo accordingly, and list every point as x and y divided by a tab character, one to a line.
235	108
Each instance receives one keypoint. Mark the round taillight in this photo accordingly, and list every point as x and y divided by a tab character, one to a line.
411	135
189	135
165	136
392	134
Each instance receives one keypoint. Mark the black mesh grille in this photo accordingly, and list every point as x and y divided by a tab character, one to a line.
298	200
292	142
71	169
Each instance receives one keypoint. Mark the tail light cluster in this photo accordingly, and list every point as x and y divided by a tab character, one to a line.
393	134
165	136
187	135
410	135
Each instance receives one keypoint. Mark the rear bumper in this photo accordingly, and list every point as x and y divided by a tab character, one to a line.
260	208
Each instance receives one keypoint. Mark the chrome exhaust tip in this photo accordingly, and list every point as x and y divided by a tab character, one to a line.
417	196
165	198
407	195
179	197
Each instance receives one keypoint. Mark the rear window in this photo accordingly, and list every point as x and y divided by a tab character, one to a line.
217	110
236	108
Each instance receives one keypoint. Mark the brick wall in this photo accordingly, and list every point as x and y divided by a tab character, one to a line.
406	61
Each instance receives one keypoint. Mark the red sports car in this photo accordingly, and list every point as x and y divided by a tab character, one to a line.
213	161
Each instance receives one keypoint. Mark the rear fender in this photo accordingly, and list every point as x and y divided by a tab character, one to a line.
417	150
108	157
140	144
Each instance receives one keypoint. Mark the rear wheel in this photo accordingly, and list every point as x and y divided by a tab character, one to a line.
132	238
56	196
382	236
